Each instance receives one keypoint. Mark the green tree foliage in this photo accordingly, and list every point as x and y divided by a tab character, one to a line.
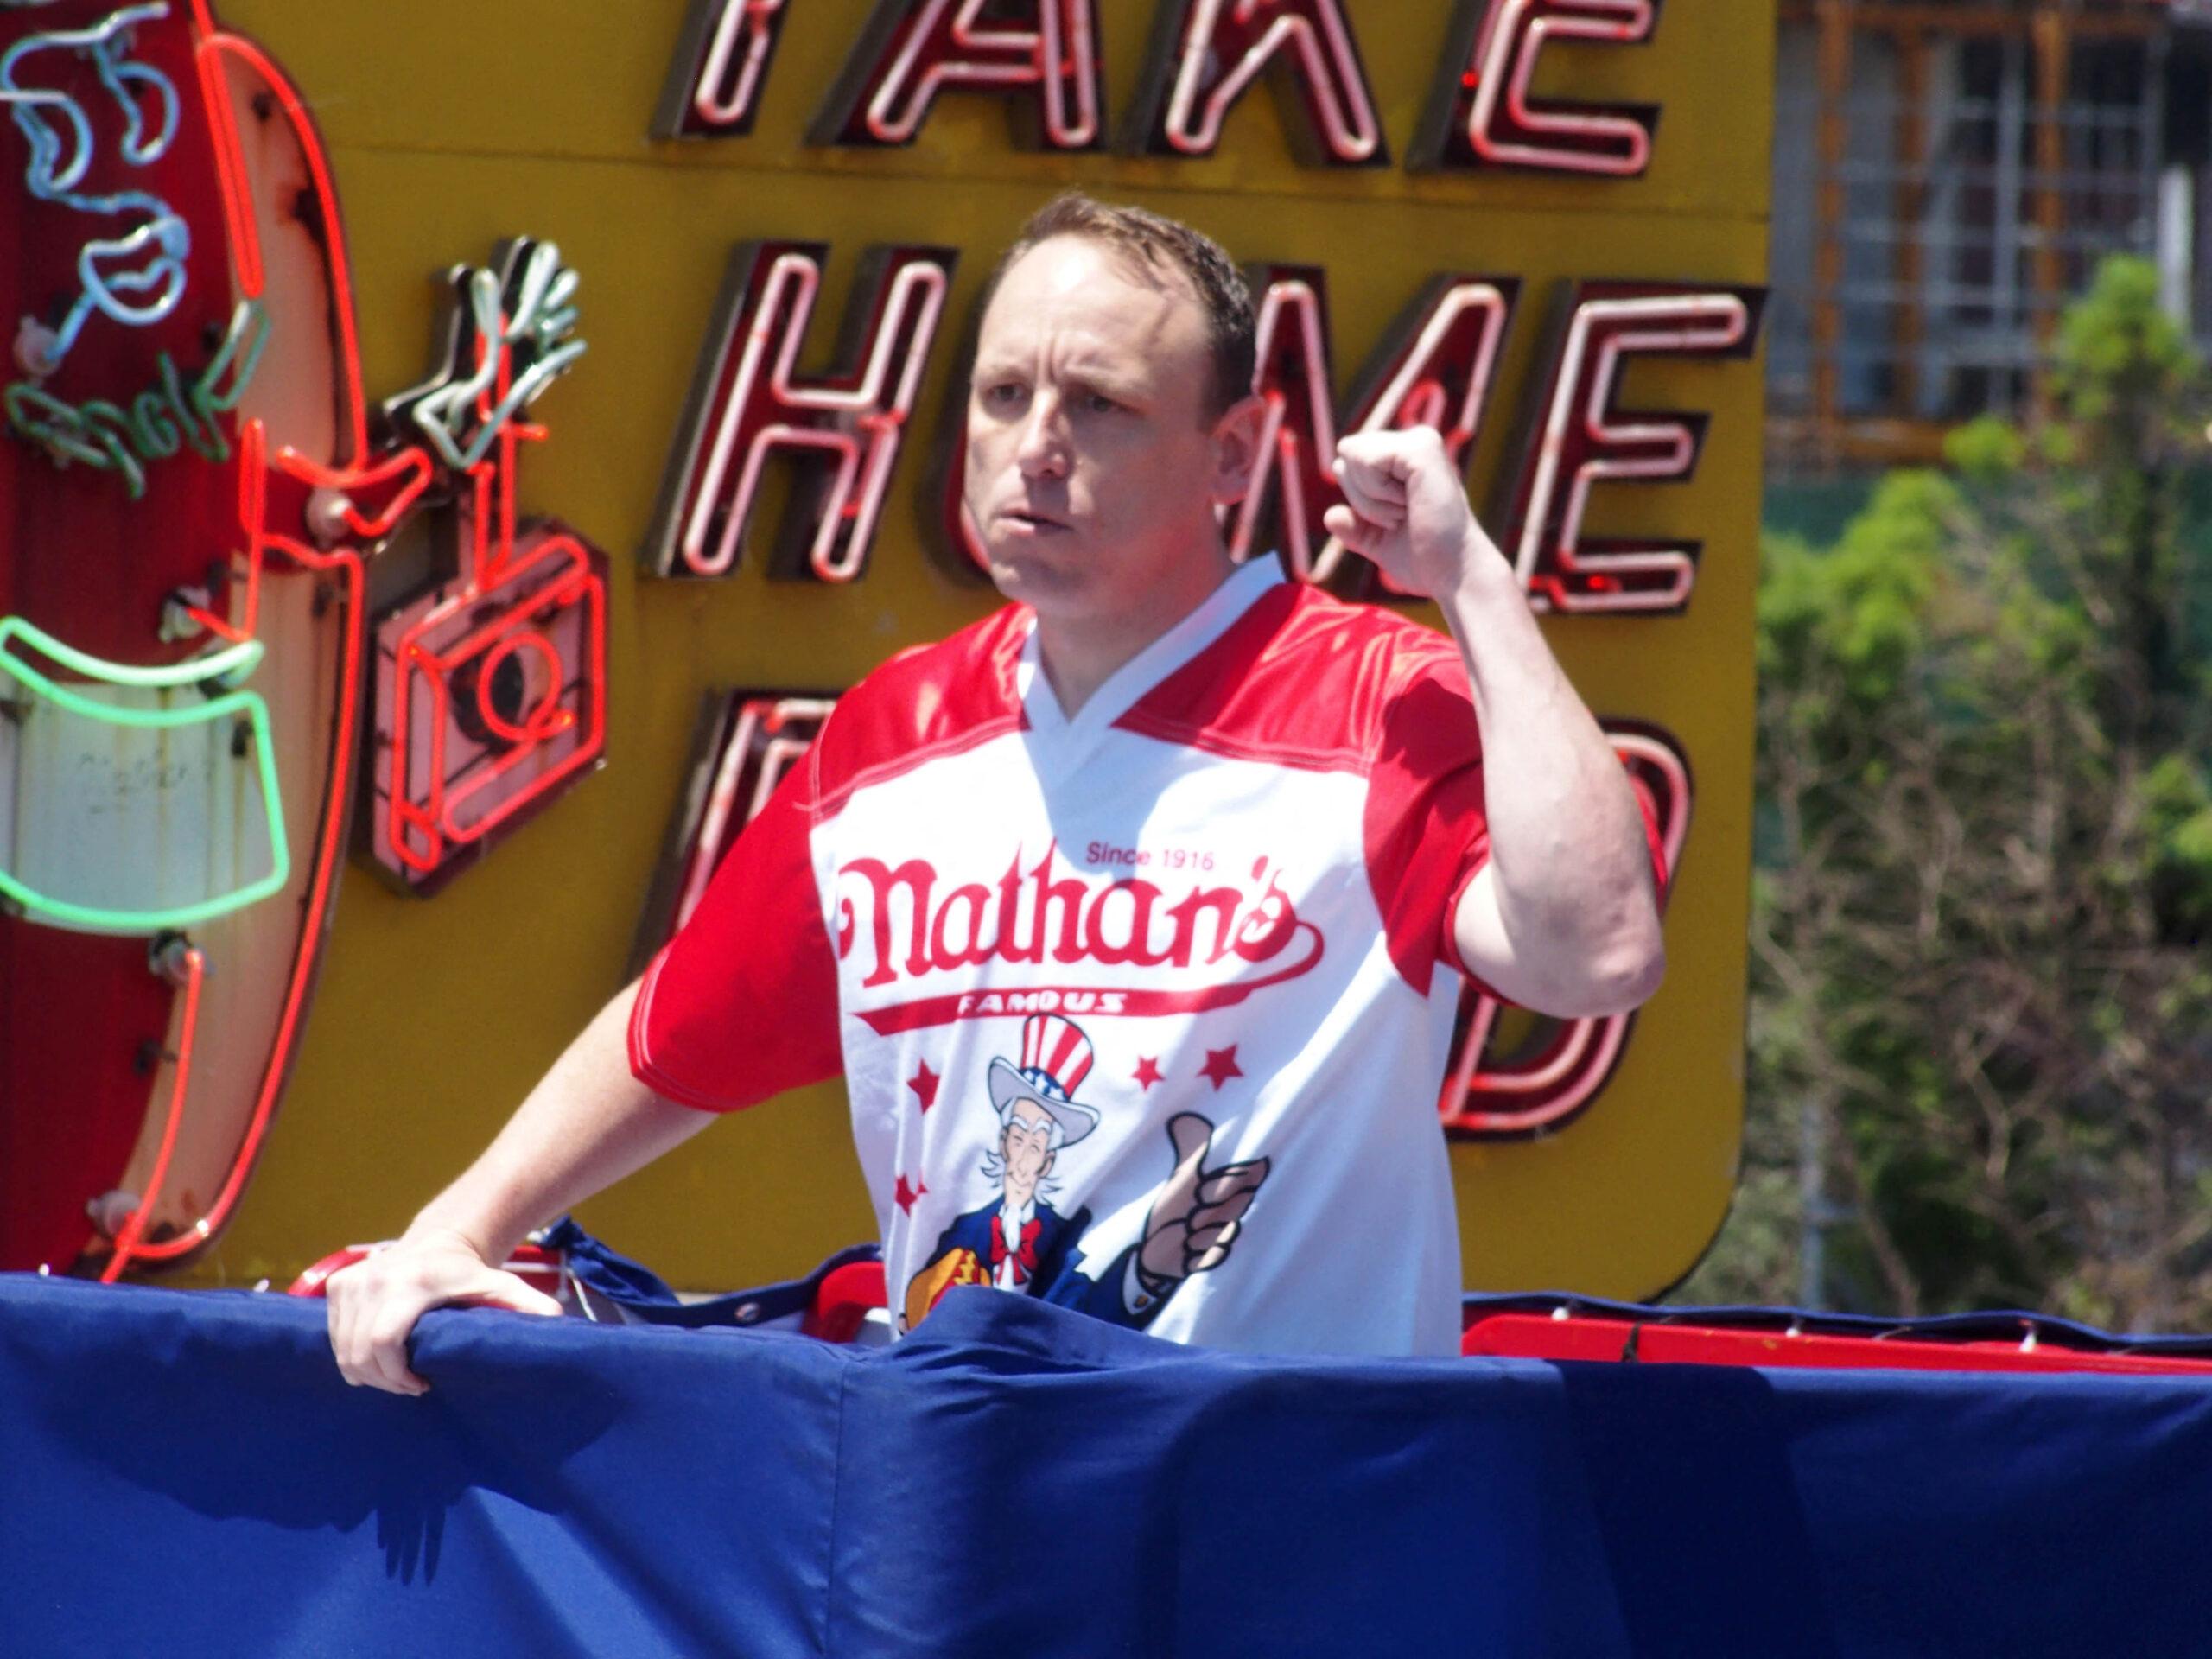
1981	1026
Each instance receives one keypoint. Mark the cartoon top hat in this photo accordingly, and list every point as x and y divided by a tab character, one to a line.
1055	1059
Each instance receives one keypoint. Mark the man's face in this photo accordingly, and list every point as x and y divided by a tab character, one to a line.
1026	1147
1092	468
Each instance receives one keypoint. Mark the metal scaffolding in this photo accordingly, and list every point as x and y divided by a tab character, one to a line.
1945	177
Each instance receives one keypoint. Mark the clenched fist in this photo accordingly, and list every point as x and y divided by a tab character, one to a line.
1407	509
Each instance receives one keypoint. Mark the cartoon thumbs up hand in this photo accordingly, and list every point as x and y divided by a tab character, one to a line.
1195	1219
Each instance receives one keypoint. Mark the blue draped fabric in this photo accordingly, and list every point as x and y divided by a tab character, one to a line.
184	1474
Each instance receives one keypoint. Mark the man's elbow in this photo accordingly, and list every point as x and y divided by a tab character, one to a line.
1619	977
1629	974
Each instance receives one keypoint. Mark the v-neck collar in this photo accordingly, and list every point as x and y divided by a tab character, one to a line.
1041	707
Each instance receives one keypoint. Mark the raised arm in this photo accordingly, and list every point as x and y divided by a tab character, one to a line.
586	1125
1563	918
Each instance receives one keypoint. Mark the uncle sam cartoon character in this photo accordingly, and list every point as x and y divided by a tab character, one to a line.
1021	1243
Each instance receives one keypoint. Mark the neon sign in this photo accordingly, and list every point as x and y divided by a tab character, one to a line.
911	50
748	402
158	423
747	742
1582	439
1204	56
1434	367
1207	54
176	765
1563	1065
722	63
61	155
1482	114
491	686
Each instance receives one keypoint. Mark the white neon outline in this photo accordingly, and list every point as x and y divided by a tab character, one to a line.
918	282
1726	320
1588	1048
758	18
1043	49
776	755
1328	67
1391	407
1276	446
1501	62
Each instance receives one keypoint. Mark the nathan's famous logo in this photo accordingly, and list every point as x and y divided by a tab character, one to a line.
911	924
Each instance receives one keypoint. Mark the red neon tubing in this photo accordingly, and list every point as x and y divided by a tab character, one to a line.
195	965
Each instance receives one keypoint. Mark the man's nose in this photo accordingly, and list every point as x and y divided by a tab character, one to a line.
1044	448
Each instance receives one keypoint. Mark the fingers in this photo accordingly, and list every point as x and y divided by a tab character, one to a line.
1362	536
371	1312
1231	1179
502	1289
1395	455
373	1306
1373	494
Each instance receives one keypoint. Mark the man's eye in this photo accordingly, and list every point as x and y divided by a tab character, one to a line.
1004	393
1099	404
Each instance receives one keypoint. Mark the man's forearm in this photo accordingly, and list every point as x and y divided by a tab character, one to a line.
586	1125
1567	844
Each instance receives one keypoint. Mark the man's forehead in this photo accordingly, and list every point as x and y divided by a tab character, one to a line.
1093	288
1029	1114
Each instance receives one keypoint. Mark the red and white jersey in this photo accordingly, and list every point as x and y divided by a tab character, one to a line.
1143	1011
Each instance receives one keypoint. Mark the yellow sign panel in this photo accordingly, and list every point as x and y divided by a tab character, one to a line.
1577	189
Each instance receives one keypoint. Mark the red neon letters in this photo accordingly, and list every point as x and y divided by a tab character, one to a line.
1482	113
721	65
911	50
1581	439
1206	53
747	401
1565	1064
1435	368
748	740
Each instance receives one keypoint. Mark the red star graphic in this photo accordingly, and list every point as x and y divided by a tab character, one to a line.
1221	1065
1148	1073
924	1083
906	1195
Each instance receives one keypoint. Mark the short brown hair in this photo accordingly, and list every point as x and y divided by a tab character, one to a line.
1159	244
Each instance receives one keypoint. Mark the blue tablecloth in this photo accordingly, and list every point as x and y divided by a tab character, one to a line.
183	1473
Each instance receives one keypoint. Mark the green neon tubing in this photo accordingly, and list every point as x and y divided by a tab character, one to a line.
237	660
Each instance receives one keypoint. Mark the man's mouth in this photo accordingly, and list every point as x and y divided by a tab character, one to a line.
1030	520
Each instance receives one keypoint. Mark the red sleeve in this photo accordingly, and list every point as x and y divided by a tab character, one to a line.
742	1003
1427	834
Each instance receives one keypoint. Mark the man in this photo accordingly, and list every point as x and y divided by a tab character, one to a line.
1247	833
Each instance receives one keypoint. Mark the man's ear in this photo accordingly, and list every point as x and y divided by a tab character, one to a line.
1236	449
